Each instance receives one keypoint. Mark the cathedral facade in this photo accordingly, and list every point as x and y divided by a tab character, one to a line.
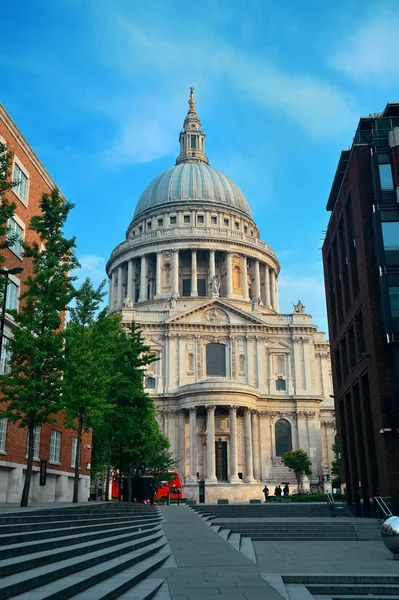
237	384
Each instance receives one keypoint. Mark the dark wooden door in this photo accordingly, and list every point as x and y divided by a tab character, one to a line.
221	461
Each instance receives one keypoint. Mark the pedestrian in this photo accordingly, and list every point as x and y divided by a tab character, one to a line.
278	491
153	491
266	492
286	490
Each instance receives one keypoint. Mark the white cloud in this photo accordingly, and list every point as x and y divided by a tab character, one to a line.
93	267
369	53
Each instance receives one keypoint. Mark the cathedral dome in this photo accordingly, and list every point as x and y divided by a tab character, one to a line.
191	182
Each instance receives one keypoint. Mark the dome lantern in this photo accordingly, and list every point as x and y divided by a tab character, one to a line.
191	138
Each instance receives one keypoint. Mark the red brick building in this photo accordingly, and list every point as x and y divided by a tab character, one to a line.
52	443
361	270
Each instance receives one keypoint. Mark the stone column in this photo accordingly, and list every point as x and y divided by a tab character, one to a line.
210	445
267	286
193	445
175	272
182	443
272	289
255	443
120	286
158	275
212	268
245	277
129	291
257	280
110	290
229	274
194	291
143	279
113	285
249	477
233	445
276	294
134	283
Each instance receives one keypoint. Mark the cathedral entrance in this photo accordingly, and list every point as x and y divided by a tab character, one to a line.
221	460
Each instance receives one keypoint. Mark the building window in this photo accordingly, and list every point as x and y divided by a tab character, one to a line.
172	220
16	231
36	443
160	222
283	437
186	287
201	287
281	385
5	358
190	366
237	225
193	142
386	177
150	383
280	364
186	218
140	229
3	434
390	235
226	222
149	225
214	220
74	450
241	364
55	446
21	189
245	229
216	360
200	219
12	296
394	301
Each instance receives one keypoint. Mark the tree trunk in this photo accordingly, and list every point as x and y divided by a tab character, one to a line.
108	472
28	476
120	475
77	462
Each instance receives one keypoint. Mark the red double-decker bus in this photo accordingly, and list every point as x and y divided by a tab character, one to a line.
170	481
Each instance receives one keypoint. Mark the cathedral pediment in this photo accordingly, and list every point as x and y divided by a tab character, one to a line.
216	312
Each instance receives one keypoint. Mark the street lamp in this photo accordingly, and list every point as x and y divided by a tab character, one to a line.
6	273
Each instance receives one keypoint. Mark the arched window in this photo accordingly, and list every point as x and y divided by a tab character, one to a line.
241	364
150	383
283	437
216	360
190	363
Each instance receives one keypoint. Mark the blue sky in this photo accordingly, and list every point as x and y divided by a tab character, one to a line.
99	88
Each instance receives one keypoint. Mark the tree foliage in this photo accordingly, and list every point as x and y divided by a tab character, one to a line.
335	467
33	388
298	462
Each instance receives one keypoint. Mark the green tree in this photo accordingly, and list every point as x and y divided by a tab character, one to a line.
298	462
90	345
7	206
335	466
33	388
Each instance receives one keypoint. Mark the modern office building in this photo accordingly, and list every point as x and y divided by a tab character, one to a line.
237	384
52	443
361	268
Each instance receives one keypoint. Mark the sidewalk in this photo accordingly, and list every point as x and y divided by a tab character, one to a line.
206	565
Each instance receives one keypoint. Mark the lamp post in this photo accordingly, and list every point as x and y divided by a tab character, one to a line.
6	273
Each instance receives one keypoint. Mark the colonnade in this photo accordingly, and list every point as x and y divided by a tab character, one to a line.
137	275
251	439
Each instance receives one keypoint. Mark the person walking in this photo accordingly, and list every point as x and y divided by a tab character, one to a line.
266	492
286	490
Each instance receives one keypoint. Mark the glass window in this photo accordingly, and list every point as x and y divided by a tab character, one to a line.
173	220
55	446
74	449
36	443
160	222
15	230
193	141
216	360
283	437
390	235
12	296
140	229
150	383
245	229
186	287
201	287
149	225
22	182
3	433
214	220
237	225
394	300
281	385
187	218
386	177
226	222
200	219
5	358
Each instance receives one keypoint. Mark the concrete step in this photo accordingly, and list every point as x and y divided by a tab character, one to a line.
234	539
46	557
19	583
38	517
371	589
23	548
102	581
6	539
333	578
224	533
43	525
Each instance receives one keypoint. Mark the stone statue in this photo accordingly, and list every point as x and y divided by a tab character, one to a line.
215	315
172	301
215	286
128	302
299	308
255	303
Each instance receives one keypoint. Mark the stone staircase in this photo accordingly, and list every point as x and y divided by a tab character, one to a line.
274	510
87	552
342	587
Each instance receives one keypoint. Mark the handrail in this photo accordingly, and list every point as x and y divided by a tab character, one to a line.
330	499
383	507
